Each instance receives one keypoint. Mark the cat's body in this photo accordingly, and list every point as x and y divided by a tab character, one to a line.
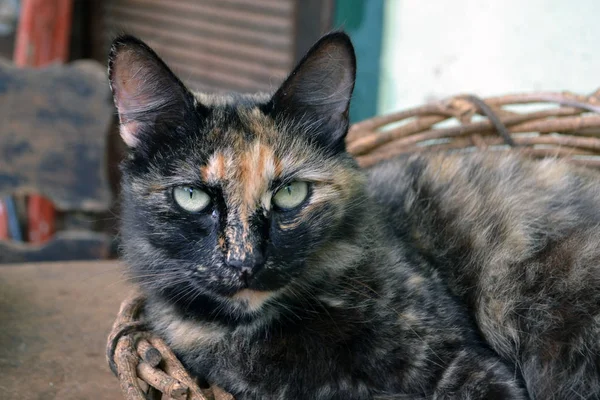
382	325
286	272
519	242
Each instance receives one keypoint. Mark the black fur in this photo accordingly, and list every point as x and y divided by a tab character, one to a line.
453	277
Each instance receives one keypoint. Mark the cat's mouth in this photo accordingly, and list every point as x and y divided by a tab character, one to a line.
252	299
250	289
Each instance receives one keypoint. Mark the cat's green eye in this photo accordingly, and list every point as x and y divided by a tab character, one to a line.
291	195
190	198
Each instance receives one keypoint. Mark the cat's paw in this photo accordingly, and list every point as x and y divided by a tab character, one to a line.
476	375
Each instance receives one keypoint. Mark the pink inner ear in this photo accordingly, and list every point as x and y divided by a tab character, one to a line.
129	92
129	132
144	90
126	104
130	98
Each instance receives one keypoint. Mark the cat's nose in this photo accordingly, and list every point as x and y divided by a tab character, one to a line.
246	267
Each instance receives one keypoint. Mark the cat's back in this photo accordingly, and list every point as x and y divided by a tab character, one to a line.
511	181
519	241
490	197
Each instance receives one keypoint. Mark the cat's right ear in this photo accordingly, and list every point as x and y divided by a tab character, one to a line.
145	91
316	95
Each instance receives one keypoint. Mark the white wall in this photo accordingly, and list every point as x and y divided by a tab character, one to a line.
437	48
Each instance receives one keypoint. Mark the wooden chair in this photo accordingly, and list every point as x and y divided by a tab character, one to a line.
53	141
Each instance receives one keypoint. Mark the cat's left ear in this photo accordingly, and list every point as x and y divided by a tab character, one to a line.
146	92
316	95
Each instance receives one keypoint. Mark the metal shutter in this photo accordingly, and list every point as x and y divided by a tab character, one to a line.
213	45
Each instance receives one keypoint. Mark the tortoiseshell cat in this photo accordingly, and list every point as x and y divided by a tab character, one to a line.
277	269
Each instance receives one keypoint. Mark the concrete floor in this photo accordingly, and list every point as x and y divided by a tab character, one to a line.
54	320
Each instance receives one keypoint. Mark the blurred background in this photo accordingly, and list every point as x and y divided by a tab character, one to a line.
408	51
229	45
60	147
439	48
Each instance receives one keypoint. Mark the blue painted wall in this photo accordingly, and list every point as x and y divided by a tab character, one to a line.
363	21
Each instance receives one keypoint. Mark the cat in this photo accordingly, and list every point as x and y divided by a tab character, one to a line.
276	268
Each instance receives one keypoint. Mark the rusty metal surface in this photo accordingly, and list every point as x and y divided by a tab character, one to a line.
55	124
222	45
54	320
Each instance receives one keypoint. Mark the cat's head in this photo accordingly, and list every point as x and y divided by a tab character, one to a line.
228	200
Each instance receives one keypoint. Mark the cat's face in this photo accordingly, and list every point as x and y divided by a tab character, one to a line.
229	200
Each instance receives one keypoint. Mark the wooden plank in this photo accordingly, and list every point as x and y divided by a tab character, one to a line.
228	45
252	18
312	19
203	43
159	34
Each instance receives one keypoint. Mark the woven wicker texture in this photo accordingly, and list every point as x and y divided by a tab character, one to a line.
542	124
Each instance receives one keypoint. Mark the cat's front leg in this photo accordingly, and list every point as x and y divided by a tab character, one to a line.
478	376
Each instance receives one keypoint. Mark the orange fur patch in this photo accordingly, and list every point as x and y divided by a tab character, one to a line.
214	171
254	299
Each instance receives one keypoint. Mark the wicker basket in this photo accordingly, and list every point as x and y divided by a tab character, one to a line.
538	124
